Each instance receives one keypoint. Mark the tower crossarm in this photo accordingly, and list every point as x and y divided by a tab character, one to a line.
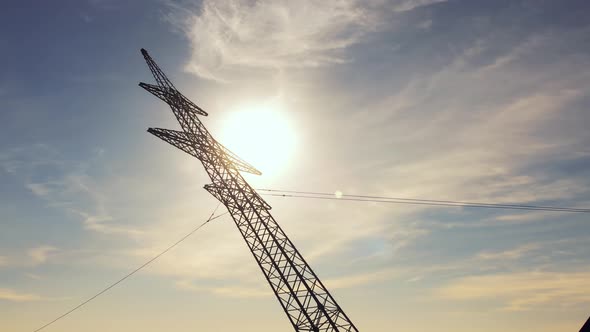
171	96
238	162
304	298
192	145
177	139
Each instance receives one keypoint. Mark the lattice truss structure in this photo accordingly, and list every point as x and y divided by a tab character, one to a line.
304	298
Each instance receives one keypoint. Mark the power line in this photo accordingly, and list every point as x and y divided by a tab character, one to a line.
415	201
211	218
423	203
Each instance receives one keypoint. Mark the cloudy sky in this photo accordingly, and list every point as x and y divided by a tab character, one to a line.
457	100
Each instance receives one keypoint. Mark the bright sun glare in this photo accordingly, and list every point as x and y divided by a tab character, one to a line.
260	135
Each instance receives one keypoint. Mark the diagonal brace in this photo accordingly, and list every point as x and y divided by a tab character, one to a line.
171	96
192	144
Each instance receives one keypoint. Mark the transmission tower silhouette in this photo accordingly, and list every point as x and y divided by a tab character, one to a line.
304	298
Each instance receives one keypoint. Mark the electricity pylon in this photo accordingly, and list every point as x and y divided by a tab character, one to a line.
304	298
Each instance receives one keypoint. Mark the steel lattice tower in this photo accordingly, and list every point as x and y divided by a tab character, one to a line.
304	298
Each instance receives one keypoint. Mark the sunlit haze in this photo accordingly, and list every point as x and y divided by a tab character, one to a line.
262	135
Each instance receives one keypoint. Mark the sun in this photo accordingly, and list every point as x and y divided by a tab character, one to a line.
261	135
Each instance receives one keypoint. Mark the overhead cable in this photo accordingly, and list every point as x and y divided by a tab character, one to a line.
415	201
211	218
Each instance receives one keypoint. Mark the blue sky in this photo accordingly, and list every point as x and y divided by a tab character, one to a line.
461	100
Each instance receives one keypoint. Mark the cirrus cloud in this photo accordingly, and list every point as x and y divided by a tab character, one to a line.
11	295
231	37
523	290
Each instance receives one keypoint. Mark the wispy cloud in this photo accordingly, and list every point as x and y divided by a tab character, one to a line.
64	184
406	5
471	146
238	290
103	223
40	255
31	257
230	38
33	276
525	277
509	254
360	279
11	295
523	290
